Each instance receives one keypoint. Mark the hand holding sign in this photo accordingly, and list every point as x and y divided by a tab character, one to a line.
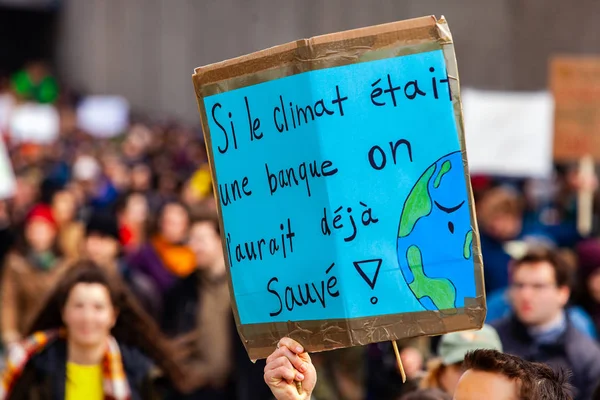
288	366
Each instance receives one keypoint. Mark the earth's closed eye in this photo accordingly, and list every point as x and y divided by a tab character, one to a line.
449	210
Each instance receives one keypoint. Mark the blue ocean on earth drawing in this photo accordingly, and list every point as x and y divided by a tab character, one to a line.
438	269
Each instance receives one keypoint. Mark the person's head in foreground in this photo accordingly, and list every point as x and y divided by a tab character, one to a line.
88	339
492	375
489	375
427	394
445	371
540	287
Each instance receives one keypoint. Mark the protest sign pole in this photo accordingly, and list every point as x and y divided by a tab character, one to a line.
399	361
585	196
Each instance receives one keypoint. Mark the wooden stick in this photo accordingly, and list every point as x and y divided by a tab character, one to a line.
298	386
399	360
585	197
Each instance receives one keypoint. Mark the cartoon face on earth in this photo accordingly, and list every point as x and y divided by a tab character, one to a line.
435	237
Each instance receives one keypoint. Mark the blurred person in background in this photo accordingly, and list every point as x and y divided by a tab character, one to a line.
166	256
26	194
100	192
70	231
132	210
383	375
30	272
102	242
342	374
35	83
570	182
540	329
500	215
201	323
103	247
499	303
198	189
445	371
141	178
7	234
89	342
116	171
589	278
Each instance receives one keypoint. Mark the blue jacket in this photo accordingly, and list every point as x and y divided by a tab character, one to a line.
498	307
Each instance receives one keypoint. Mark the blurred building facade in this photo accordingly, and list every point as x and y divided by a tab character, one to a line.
146	50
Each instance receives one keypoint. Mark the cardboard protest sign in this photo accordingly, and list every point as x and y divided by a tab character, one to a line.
575	84
341	178
509	133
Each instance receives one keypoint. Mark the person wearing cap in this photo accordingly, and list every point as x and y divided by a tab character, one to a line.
445	371
31	271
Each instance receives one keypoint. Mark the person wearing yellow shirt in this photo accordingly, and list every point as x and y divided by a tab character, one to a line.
84	382
90	342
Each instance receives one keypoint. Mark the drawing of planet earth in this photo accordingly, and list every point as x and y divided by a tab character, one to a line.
435	237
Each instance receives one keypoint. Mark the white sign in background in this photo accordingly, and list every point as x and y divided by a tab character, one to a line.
509	133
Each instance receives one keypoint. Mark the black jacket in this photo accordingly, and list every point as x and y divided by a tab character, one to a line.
44	376
182	303
573	351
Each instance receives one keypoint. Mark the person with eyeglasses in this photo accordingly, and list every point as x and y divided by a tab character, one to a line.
539	329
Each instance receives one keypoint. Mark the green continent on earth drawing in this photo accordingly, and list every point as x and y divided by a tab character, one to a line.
439	290
435	237
418	204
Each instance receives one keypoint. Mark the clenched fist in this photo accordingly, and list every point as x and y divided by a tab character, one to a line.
288	365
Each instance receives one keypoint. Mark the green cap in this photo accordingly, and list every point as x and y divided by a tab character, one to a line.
454	346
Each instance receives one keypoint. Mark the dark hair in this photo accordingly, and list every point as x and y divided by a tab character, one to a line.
596	394
204	214
538	381
562	271
427	394
161	213
133	327
123	200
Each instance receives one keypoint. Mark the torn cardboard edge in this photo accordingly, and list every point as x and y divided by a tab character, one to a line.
305	53
338	49
349	35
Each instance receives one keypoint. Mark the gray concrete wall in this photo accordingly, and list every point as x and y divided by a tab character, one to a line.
146	50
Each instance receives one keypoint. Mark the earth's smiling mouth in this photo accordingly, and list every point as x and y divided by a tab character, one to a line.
449	210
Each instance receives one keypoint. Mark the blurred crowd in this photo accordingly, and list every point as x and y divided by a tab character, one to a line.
118	238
